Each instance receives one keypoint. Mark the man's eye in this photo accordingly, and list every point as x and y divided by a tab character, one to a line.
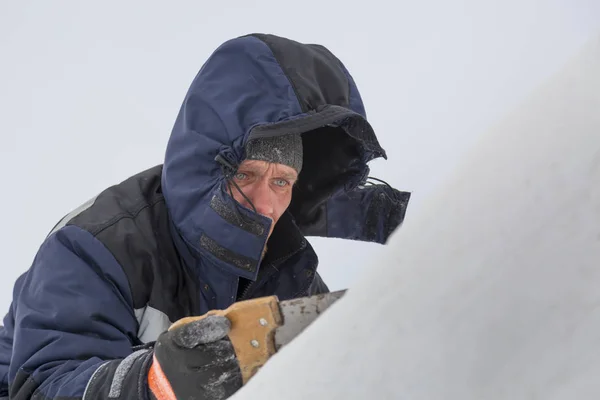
281	182
240	176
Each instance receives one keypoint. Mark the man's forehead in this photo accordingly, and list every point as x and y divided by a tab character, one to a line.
261	167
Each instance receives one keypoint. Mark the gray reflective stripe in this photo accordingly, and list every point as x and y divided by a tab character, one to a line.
121	373
152	323
94	375
73	214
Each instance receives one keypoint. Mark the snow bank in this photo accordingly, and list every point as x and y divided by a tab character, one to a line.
493	290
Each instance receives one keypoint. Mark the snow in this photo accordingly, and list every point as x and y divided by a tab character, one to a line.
491	290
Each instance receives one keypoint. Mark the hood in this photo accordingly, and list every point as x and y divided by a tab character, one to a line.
256	86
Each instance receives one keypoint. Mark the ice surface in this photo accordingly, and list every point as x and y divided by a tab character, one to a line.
492	291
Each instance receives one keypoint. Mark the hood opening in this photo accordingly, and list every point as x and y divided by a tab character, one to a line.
332	161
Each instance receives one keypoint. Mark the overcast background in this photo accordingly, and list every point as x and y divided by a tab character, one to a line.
89	90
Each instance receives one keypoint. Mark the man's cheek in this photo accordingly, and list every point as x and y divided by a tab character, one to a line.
288	200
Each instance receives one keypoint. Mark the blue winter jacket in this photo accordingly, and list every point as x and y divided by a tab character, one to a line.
170	242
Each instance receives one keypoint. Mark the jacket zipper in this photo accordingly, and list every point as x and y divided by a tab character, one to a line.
246	290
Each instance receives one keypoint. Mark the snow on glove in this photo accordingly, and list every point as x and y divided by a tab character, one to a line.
195	361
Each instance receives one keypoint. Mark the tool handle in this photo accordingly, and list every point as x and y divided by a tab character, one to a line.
253	324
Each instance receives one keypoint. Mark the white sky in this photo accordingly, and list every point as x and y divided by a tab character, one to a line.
89	91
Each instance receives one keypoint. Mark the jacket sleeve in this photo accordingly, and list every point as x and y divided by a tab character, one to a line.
75	326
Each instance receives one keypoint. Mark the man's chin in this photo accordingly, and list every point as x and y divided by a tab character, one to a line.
262	256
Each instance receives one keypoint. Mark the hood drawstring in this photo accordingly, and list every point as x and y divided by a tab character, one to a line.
229	172
378	180
392	192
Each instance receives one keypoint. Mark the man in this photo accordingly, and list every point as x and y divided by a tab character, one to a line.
271	145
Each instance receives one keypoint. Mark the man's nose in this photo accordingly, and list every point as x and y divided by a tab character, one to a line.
263	201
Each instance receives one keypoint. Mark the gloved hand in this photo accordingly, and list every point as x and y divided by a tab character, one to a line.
195	361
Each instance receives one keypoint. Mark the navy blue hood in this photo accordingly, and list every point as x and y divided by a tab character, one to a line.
263	85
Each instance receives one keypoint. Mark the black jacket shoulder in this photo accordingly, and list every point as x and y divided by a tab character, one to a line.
132	221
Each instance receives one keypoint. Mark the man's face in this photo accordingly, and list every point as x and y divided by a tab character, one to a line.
267	185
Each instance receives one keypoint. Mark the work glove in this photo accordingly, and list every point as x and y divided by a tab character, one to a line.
195	361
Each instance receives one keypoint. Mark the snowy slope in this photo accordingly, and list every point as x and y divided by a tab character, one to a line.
493	290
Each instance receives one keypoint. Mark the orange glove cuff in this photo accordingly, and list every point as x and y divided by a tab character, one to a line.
158	383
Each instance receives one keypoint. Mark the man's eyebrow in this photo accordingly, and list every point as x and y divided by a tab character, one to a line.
289	175
253	169
246	168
